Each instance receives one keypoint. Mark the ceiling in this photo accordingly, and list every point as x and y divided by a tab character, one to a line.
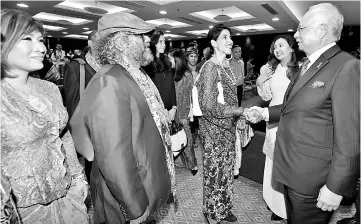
184	19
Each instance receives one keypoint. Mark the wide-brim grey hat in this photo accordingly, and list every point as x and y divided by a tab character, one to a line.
123	22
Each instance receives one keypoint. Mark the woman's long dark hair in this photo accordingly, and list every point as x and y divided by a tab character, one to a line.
293	64
180	64
162	63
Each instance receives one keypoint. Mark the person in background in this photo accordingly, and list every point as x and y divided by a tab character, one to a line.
217	98
192	57
67	59
206	56
160	71
58	54
317	149
250	66
72	74
283	63
38	159
122	121
238	68
70	54
73	88
183	85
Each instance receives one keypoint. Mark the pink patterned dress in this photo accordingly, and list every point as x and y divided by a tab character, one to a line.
37	157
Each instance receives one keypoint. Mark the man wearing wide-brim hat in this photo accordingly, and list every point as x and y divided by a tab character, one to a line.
122	125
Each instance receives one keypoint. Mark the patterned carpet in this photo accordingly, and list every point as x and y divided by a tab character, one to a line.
248	204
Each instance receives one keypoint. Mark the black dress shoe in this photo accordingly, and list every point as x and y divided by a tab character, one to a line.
275	217
194	172
230	217
348	221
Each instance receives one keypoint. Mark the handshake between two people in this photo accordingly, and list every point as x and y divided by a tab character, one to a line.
256	114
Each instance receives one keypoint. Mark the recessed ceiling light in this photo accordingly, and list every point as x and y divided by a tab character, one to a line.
50	17
290	30
167	31
76	36
53	28
238	34
85	28
275	19
163	12
210	27
199	37
65	32
169	39
22	5
49	36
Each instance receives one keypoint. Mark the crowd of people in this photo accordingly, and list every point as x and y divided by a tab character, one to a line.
121	97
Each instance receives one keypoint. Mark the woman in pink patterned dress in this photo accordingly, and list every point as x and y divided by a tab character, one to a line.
38	159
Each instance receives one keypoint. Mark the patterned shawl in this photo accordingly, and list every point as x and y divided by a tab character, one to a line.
159	113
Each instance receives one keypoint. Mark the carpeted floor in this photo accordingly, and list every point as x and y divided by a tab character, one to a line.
248	204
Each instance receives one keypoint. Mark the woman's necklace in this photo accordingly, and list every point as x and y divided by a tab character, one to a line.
223	65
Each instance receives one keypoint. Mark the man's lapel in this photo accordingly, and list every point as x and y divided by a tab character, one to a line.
312	71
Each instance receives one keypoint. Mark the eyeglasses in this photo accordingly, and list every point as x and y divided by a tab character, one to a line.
300	28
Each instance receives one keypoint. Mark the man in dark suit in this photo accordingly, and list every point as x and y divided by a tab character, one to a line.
122	124
317	151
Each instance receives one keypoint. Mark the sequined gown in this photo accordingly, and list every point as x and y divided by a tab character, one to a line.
41	167
217	133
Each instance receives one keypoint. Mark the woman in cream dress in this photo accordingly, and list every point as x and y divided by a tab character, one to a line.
271	85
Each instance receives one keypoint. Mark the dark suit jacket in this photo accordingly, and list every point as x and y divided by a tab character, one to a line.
72	82
318	138
129	170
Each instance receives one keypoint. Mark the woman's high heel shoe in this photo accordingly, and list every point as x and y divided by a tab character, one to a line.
194	171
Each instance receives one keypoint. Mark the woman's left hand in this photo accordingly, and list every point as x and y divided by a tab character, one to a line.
172	113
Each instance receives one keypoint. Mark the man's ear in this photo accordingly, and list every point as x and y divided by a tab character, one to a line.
324	30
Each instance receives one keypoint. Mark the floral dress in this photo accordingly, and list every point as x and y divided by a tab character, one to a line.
38	157
218	135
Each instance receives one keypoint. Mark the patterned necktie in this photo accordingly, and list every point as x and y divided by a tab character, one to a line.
304	66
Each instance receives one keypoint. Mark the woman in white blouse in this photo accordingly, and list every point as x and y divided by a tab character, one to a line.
283	63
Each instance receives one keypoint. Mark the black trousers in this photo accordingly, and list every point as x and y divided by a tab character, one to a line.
239	94
301	209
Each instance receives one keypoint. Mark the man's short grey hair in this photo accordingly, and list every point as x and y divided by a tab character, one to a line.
331	15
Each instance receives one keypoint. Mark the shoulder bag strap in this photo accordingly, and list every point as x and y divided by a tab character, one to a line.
81	76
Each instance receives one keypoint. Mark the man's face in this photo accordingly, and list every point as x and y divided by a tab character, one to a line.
237	53
307	34
192	59
59	47
139	49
